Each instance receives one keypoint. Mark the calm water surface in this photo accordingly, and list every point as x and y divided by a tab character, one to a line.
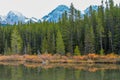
8	72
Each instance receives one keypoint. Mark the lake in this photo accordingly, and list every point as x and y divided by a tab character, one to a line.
59	72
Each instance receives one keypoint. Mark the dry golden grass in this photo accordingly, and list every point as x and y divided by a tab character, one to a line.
56	58
11	58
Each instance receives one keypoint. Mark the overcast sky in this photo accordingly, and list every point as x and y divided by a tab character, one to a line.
39	8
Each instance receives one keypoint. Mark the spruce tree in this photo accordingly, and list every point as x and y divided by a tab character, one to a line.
16	41
60	48
44	46
77	51
89	40
1	40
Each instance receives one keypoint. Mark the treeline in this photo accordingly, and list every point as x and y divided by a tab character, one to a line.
95	32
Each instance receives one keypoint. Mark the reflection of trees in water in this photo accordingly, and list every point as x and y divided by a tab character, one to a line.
112	74
5	71
16	73
70	74
77	74
60	73
102	74
56	73
39	70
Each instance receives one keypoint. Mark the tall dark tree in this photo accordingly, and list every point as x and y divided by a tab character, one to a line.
89	40
2	38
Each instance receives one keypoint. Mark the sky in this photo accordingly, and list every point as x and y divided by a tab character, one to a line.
39	8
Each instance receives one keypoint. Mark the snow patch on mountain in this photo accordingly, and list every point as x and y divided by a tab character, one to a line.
33	20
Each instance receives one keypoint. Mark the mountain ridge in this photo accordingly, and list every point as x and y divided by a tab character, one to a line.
14	17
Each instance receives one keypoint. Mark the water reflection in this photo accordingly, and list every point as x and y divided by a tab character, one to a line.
76	72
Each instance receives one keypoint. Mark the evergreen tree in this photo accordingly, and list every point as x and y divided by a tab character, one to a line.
6	48
44	47
71	27
102	52
77	51
1	41
89	40
60	48
51	39
100	31
117	39
16	41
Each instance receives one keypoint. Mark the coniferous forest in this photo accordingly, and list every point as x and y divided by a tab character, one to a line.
96	32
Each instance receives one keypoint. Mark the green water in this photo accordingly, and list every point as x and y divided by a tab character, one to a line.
57	73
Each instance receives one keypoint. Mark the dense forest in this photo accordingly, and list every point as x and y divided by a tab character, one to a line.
95	32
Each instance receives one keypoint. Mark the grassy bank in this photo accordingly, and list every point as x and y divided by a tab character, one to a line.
48	58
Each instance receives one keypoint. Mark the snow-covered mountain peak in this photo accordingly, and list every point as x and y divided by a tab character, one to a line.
54	15
14	17
14	13
62	8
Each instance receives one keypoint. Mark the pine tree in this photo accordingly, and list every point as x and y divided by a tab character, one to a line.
77	51
100	31
66	33
117	39
60	48
89	40
16	41
28	49
6	48
1	41
51	39
102	52
71	27
44	46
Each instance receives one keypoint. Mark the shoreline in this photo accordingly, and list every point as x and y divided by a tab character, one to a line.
48	58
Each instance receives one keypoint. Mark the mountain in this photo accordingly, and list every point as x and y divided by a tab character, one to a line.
87	10
55	14
3	19
14	17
